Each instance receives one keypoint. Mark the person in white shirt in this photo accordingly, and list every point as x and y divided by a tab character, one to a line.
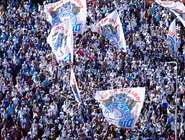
15	101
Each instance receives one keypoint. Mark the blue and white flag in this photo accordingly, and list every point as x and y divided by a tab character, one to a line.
74	87
172	5
111	28
121	107
171	38
63	10
179	17
60	40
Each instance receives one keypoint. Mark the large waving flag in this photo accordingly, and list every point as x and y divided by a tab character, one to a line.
60	11
173	5
111	28
171	38
60	40
179	17
121	107
74	87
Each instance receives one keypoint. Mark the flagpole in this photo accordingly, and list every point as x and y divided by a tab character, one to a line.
176	63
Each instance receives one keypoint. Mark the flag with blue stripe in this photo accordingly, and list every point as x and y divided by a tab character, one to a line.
74	87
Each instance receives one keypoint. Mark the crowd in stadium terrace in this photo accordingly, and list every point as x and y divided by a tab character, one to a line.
36	101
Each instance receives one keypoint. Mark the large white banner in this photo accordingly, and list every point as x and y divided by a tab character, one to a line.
121	107
176	6
111	28
171	37
60	40
60	11
74	87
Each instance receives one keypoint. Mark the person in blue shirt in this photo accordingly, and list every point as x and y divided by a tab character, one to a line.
30	4
32	70
153	10
129	77
80	119
13	4
4	36
6	101
170	120
9	110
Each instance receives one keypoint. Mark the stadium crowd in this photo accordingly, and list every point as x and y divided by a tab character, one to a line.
36	101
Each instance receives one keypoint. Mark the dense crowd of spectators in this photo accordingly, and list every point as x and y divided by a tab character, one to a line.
36	101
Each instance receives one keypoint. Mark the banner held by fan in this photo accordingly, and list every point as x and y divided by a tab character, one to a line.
59	12
173	5
171	38
179	17
121	107
74	87
111	28
60	40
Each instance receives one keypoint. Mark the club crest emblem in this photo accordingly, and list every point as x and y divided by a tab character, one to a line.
110	33
60	40
57	45
63	13
119	106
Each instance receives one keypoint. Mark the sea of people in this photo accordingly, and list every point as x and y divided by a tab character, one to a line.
36	101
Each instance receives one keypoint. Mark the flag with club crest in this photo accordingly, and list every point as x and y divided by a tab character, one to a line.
60	40
121	107
63	10
111	28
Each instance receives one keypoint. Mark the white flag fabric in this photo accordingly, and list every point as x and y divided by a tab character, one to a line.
176	6
179	17
60	11
171	37
74	87
121	107
111	28
60	40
